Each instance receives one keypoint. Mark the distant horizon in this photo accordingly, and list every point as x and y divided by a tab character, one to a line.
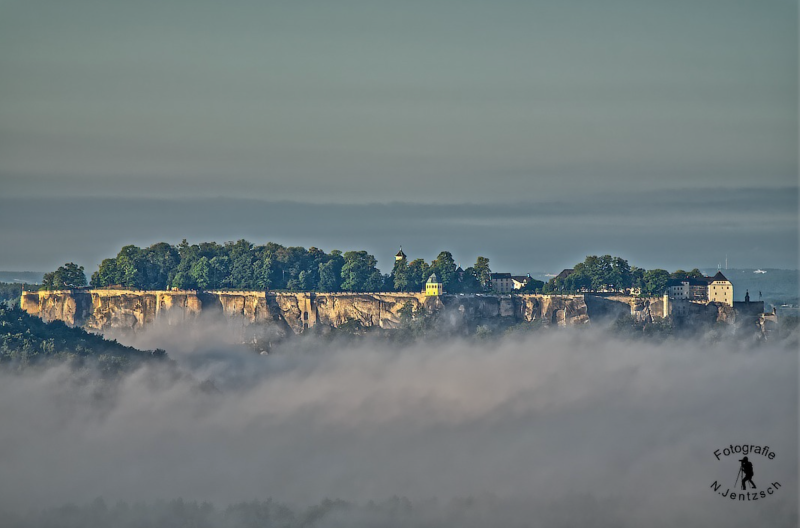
660	229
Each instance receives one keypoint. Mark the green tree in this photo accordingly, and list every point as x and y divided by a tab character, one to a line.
264	273
314	258
445	268
330	273
358	271
70	275
620	277
581	278
377	282
592	269
681	274
603	277
159	262
10	293
637	277
107	275
598	274
482	272
418	273
294	261
201	273
183	281
218	270
533	285
655	282
470	282
129	268
400	275
242	265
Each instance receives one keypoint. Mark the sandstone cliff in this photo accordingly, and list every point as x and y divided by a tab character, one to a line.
103	310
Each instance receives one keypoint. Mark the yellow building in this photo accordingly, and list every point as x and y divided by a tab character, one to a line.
433	288
720	289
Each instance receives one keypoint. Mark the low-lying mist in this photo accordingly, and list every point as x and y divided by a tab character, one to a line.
551	428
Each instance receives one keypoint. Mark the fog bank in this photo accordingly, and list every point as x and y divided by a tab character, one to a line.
555	424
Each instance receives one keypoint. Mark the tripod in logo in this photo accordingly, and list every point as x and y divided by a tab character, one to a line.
745	473
746	469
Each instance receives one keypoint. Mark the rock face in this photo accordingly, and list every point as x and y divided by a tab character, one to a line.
286	312
103	310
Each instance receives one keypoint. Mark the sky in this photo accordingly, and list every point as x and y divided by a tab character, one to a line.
533	133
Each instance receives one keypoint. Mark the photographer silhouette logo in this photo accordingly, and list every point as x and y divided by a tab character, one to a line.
744	476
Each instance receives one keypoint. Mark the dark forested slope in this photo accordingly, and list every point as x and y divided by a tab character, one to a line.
26	341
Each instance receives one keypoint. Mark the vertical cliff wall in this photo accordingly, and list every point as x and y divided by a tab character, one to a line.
103	310
643	309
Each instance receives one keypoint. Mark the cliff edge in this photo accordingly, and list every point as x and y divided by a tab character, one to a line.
133	310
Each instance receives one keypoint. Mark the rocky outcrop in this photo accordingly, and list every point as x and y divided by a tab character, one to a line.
103	310
642	309
286	312
482	309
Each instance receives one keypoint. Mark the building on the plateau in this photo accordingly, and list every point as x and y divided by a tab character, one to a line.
506	282
502	282
701	289
564	274
720	289
433	288
688	289
520	281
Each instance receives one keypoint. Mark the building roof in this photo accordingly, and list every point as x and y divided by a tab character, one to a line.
400	253
433	279
500	276
565	273
521	278
719	277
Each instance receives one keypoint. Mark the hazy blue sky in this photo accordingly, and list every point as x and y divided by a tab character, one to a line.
539	104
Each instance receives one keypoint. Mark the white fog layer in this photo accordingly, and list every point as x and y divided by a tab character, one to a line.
558	424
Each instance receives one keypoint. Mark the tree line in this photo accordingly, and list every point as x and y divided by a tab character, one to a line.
10	292
614	274
244	266
411	276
